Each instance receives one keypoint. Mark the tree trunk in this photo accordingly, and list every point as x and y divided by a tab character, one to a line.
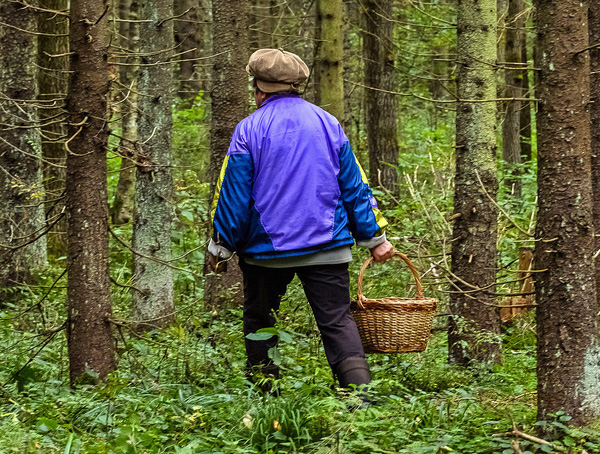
594	21
513	75
380	105
475	325
330	88
568	367
527	91
352	70
121	210
229	107
153	213
261	26
91	347
21	187
53	58
186	40
204	67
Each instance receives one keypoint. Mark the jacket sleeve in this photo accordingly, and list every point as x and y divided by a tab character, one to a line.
230	212
366	222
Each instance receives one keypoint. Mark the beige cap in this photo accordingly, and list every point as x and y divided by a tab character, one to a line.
277	70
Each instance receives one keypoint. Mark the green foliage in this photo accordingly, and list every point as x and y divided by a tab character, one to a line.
183	390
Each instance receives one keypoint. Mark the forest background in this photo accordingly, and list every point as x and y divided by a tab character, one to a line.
477	123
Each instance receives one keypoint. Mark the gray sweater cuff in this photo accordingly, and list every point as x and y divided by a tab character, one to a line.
375	241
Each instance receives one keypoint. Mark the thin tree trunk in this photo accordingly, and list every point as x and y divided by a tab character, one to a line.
261	26
204	67
352	70
21	188
381	119
53	58
121	210
153	304
511	127
186	40
527	91
330	88
91	347
475	325
594	21
568	357
229	106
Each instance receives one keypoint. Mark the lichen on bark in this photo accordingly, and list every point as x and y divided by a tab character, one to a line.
475	325
153	304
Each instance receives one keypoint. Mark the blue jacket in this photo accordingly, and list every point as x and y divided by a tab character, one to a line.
290	185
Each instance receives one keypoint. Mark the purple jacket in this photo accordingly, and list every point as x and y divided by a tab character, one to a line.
290	185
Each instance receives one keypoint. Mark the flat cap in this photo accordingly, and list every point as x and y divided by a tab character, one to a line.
277	70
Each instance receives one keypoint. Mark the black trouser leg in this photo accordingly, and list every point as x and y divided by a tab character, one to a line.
263	290
327	290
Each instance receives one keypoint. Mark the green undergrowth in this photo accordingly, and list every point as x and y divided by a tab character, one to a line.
183	390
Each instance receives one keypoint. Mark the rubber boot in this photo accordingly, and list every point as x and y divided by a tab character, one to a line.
353	373
264	377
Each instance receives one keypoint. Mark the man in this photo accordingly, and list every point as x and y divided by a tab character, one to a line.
290	199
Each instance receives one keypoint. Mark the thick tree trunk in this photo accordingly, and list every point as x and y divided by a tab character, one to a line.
186	40
329	83
380	105
153	213
568	367
594	20
89	329
21	187
229	106
121	210
53	58
513	77
475	324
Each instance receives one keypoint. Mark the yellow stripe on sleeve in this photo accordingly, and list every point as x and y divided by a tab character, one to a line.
218	189
363	175
381	222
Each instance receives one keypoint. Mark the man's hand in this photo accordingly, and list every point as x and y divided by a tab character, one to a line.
383	252
216	265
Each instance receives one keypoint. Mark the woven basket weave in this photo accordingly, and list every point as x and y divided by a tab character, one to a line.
393	325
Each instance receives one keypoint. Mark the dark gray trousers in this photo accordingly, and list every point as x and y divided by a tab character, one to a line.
327	290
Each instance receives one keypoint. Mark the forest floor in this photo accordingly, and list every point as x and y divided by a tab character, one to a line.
183	391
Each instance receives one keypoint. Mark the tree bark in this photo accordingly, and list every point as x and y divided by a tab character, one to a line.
21	187
229	106
153	304
121	210
513	77
53	58
261	26
527	91
380	105
89	330
594	21
568	367
329	83
187	42
475	325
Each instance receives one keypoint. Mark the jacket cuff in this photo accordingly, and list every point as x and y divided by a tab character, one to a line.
373	242
218	251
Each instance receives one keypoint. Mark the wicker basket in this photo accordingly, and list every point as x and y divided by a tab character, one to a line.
393	325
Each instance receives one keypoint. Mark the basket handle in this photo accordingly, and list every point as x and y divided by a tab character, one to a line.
413	269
